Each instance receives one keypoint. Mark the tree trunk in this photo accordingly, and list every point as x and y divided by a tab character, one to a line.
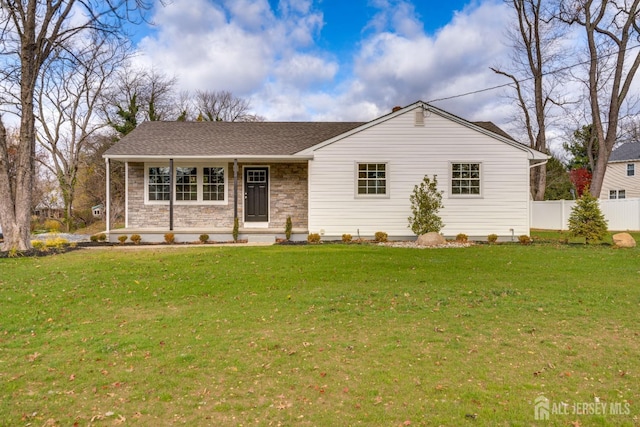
538	179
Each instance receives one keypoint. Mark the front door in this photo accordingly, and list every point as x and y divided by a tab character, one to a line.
256	195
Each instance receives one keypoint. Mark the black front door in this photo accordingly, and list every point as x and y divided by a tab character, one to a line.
256	195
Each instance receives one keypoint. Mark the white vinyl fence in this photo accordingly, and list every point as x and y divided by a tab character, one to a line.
621	214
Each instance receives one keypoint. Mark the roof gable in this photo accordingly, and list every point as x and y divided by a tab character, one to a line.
487	128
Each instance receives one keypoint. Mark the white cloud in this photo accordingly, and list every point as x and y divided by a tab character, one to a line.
271	56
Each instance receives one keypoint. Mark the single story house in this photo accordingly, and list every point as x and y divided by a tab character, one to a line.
192	178
622	177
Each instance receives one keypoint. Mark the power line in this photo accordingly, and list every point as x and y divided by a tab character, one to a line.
568	67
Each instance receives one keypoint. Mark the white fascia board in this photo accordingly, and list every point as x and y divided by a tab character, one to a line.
243	158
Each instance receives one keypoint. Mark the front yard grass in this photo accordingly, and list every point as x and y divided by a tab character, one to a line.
320	335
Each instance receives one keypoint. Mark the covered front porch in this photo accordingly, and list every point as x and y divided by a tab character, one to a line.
261	194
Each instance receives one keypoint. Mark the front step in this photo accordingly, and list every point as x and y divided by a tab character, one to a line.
261	238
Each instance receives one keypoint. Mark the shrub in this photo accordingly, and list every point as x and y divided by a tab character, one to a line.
204	238
102	237
122	239
381	237
313	238
461	237
346	238
38	245
236	228
492	238
288	227
524	239
586	219
169	238
56	242
52	225
136	238
426	200
93	238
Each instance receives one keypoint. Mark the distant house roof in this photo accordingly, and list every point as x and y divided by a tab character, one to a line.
625	152
210	139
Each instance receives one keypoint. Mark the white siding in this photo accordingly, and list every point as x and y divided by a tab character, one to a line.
615	178
411	152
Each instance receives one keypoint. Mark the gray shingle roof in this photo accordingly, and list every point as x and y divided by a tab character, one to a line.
627	151
208	139
226	139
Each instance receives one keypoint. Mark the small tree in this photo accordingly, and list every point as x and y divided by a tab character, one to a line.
426	201
587	220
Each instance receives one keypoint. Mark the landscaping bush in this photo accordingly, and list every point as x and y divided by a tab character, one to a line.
136	239
169	238
122	239
313	238
56	243
346	238
463	238
236	228
102	237
381	237
204	238
524	239
52	225
426	201
492	238
38	245
93	238
288	227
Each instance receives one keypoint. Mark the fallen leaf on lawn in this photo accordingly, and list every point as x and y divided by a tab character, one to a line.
33	357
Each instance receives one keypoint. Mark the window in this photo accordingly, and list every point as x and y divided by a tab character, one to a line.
631	169
186	183
213	184
465	179
206	185
372	179
159	183
617	194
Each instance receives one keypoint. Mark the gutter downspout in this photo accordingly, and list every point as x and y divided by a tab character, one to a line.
170	194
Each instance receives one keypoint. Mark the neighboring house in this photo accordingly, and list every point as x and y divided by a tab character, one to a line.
622	177
192	178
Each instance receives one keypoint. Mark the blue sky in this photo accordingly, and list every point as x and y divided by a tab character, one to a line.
335	59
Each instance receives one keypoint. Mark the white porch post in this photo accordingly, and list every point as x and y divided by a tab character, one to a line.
126	194
107	207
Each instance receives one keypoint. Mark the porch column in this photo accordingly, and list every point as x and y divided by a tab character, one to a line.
170	194
126	195
107	204
235	189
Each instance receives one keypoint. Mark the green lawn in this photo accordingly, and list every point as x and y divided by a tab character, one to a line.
321	336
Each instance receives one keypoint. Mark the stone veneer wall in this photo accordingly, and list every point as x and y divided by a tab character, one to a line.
289	197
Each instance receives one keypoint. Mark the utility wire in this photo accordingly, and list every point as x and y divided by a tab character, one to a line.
568	67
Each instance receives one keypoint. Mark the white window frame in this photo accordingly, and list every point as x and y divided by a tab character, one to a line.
387	180
480	179
631	167
617	194
200	183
